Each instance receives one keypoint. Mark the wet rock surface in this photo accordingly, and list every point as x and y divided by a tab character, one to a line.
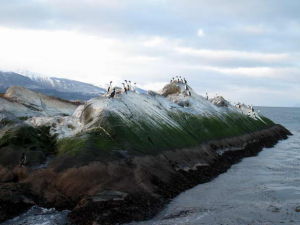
40	216
14	199
114	207
123	191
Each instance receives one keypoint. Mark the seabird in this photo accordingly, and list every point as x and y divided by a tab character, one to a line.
113	93
129	85
108	89
124	88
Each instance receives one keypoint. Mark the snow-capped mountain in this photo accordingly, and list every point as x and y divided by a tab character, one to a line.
58	87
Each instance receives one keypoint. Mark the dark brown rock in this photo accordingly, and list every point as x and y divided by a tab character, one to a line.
14	199
167	175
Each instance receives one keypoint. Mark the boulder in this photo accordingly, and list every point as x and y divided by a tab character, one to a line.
114	207
170	89
219	101
15	198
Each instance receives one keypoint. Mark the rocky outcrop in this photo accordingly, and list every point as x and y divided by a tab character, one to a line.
170	89
14	199
38	102
219	101
132	188
121	159
167	175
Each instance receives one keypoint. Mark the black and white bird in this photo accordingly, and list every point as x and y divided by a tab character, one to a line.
125	89
109	87
113	93
129	85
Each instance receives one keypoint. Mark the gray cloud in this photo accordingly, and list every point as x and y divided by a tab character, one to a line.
237	35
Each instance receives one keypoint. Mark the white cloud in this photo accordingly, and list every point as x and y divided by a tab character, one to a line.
155	41
148	60
255	29
289	73
232	54
200	33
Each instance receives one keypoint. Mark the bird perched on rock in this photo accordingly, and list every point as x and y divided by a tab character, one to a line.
113	93
125	89
109	87
134	85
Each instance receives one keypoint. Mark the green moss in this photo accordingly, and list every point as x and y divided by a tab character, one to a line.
30	138
93	145
70	145
140	137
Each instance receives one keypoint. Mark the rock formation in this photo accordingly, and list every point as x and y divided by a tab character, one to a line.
114	160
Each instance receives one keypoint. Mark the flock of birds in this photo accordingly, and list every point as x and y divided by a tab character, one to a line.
129	86
178	79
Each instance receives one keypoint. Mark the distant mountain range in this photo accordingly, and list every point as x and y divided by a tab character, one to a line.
53	86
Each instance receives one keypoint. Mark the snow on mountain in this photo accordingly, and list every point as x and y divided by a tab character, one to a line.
58	87
67	85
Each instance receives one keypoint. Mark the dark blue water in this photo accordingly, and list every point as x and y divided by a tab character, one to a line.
260	190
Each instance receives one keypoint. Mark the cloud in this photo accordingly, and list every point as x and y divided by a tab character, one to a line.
255	29
232	54
155	41
289	73
218	47
200	33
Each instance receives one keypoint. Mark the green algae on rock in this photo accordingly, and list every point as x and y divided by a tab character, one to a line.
144	147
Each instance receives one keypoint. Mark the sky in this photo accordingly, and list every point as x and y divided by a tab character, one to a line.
246	50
